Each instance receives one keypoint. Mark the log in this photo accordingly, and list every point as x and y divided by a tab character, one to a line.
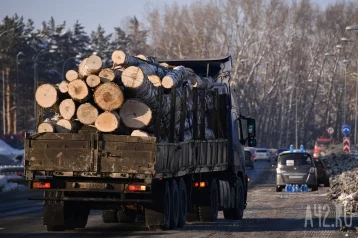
63	86
135	114
140	133
109	75
121	58
108	96
143	57
149	69
47	96
47	126
165	65
139	85
93	65
66	126
82	72
87	113
93	81
107	122
68	109
71	75
78	90
174	77
155	80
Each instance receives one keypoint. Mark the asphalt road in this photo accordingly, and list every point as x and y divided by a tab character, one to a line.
269	214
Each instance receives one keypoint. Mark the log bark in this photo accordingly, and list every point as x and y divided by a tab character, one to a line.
87	114
93	65
48	126
71	75
140	133
63	86
108	96
78	90
135	114
82	72
139	85
68	109
66	126
109	75
93	80
174	77
48	96
121	58
107	122
149	69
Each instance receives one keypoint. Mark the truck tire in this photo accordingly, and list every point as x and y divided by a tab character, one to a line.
126	216
237	212
109	216
183	204
326	183
175	205
314	188
159	216
210	213
55	228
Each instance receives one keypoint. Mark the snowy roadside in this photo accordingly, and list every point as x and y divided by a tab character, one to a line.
6	186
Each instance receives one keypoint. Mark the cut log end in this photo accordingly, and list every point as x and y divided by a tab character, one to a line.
132	77
108	96
155	80
65	126
107	122
87	114
135	114
78	90
143	57
140	133
47	95
165	65
93	80
46	127
63	86
106	75
118	57
93	64
67	109
167	82
71	75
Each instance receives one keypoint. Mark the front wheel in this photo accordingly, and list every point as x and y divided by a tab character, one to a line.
278	189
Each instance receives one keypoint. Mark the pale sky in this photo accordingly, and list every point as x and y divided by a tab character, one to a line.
90	13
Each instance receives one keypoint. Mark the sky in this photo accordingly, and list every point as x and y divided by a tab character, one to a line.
90	13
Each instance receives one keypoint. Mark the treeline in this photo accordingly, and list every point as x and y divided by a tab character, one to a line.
281	73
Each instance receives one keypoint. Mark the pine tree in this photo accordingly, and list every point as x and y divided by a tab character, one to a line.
137	38
100	43
120	41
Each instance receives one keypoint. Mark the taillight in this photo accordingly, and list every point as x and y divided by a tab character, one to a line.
137	188
41	185
248	179
200	184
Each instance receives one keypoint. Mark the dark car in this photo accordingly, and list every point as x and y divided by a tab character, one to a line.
295	168
249	158
322	173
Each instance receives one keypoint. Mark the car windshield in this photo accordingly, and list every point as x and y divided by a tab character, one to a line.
261	151
322	144
295	159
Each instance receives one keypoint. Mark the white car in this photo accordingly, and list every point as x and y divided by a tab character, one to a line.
263	154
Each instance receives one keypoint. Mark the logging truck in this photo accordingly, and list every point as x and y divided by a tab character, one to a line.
157	175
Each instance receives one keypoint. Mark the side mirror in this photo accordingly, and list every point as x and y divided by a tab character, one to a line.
251	128
251	142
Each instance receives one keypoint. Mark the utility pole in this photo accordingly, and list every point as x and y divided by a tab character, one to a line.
3	103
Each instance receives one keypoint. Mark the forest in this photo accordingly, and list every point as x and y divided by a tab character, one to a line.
290	63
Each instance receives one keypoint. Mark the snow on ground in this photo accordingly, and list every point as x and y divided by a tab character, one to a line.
7	153
6	186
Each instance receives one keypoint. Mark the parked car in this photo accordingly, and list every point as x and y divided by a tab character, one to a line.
249	158
262	154
296	168
322	173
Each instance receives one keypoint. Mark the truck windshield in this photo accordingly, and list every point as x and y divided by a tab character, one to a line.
322	144
295	159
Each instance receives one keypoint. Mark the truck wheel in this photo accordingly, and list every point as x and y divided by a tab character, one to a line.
278	189
109	216
237	212
126	216
210	213
314	188
159	216
175	205
326	184
183	204
229	212
55	228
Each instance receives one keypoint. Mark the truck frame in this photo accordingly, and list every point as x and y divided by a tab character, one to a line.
131	178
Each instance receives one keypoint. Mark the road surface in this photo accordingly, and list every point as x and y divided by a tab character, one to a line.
268	214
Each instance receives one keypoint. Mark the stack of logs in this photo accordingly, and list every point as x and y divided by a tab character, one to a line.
123	97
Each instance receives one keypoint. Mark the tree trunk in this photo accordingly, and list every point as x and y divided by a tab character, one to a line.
109	75
108	96
137	83
68	109
66	126
107	122
140	133
87	114
71	75
78	90
47	96
48	126
63	86
135	114
173	77
93	80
